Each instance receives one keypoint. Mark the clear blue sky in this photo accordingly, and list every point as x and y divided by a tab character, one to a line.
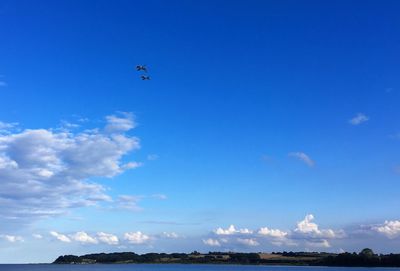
257	114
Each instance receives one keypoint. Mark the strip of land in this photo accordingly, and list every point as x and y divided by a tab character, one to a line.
365	258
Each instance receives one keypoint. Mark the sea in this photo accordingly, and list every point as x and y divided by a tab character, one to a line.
176	267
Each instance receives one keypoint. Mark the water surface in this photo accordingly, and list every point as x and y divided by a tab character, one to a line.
176	267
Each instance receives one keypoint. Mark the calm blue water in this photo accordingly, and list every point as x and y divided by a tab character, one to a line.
175	267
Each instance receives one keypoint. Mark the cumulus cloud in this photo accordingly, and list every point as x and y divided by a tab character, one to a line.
136	237
307	227
248	241
60	237
358	119
11	238
276	237
83	238
309	231
131	202
46	172
390	229
232	230
302	157
276	233
211	242
306	233
107	238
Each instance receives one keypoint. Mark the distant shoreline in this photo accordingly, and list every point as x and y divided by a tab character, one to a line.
366	258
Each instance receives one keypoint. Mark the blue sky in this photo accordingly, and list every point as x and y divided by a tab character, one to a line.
277	117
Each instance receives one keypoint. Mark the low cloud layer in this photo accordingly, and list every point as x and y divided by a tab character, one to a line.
46	172
390	229
306	234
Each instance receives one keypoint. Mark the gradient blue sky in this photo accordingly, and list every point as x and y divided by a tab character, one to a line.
277	114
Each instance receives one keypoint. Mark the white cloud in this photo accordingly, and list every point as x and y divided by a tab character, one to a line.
3	84
307	228
46	172
306	233
7	127
107	238
302	157
131	165
390	229
276	237
37	236
83	238
276	233
170	235
11	238
358	119
248	241
306	225
118	124
232	230
67	126
211	242
228	231
245	231
60	237
136	237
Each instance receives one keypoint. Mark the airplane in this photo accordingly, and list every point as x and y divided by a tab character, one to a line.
141	68
145	77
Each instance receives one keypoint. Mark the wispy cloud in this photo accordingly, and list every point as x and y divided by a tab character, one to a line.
302	157
6	127
152	157
129	202
358	119
122	122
